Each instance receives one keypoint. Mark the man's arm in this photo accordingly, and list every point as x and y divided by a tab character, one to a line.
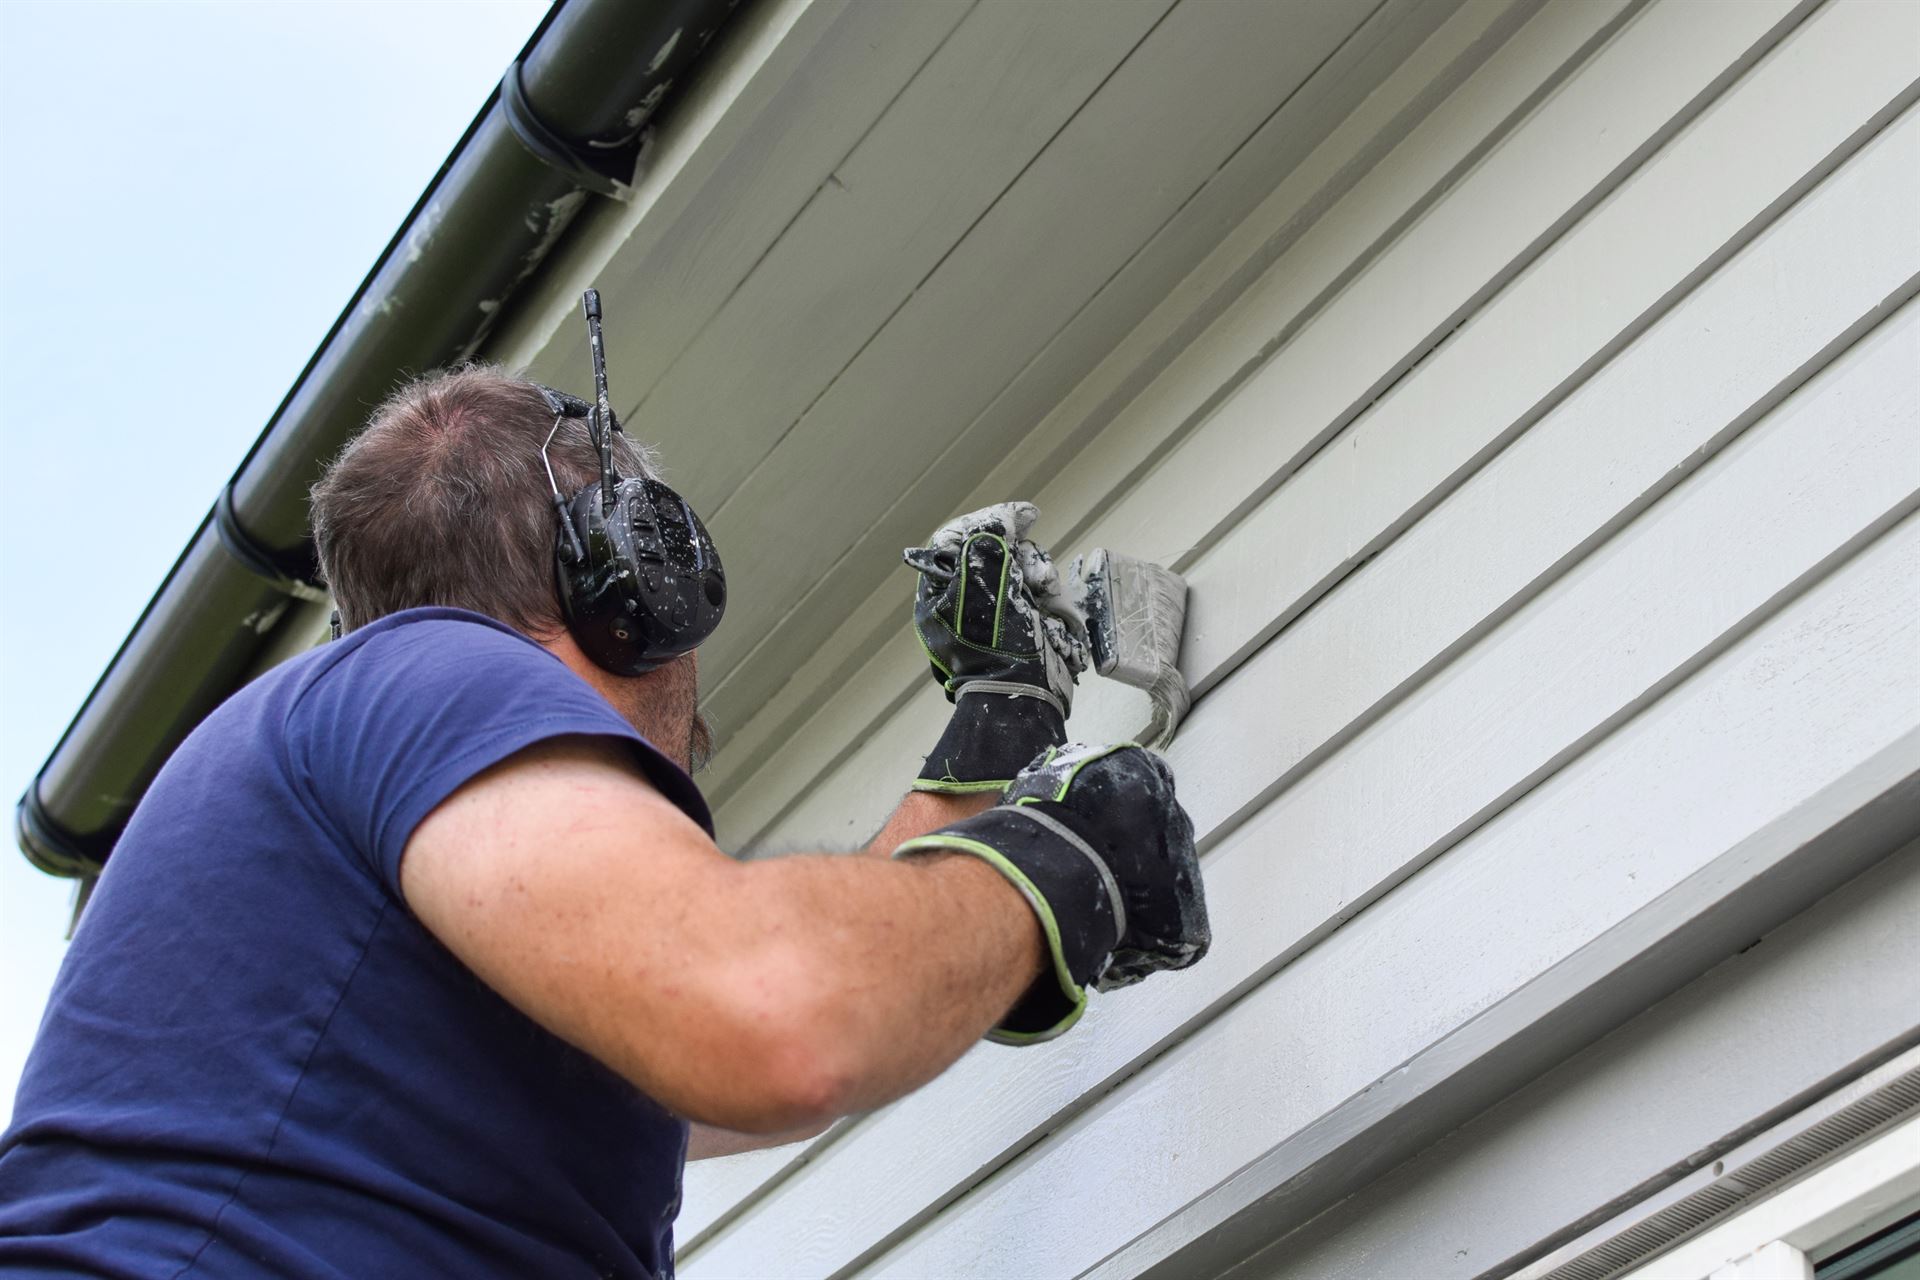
759	997
924	811
918	814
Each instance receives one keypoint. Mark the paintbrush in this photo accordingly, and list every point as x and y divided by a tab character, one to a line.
1134	612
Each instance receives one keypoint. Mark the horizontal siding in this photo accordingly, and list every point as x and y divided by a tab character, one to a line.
1317	268
1442	144
866	420
1544	495
822	702
1601	839
1627	1115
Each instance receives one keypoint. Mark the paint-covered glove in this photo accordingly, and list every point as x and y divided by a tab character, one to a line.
1097	843
989	614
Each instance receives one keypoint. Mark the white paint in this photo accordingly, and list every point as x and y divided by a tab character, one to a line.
1672	791
660	60
1775	1261
420	234
1346	853
1517	603
1643	1105
560	214
1305	187
1368	331
863	778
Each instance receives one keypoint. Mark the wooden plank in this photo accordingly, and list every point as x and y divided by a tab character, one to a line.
1852	294
1125	164
1816	1001
1491	515
1035	1083
1393	190
1713	784
1714	913
970	122
1256	929
1651	82
1530	347
1195	227
791	94
1418	443
710	1189
1457	254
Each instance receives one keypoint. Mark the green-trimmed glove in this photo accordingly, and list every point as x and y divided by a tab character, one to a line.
1097	843
987	614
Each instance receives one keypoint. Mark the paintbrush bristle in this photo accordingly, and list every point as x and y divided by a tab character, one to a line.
1135	611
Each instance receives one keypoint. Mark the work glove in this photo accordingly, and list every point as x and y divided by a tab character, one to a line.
990	616
1097	843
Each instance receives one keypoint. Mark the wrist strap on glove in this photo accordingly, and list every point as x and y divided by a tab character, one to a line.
996	730
1071	891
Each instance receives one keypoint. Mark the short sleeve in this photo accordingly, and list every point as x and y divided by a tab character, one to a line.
407	714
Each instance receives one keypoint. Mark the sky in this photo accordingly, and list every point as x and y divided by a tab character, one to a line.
191	193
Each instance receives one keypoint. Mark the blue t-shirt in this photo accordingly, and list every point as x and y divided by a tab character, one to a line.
256	1062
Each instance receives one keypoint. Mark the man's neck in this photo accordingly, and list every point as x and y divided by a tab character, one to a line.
650	703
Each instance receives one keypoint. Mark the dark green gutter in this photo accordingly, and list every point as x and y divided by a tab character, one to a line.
566	126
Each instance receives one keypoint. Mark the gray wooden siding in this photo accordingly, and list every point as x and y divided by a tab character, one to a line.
1542	450
1644	1104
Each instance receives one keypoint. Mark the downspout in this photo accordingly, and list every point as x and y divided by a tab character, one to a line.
567	124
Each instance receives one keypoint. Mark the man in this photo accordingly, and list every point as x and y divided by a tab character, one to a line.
418	956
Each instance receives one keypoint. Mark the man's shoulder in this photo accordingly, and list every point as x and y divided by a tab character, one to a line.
427	646
432	682
437	628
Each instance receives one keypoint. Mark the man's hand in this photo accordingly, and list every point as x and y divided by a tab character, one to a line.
1095	840
1120	800
987	612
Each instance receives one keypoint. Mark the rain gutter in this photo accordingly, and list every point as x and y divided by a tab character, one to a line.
569	124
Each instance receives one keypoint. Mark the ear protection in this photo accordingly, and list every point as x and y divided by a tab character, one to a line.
639	580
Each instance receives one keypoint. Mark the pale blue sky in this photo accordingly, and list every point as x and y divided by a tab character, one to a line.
191	193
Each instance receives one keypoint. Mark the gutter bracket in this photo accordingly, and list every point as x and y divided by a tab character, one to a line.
256	559
580	166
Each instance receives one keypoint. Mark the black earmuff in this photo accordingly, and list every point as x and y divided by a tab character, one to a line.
639	580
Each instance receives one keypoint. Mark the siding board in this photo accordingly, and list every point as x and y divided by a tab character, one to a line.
1405	101
1453	943
1154	275
792	102
1386	196
1354	851
1580	305
1628	1115
1668	61
1072	218
1178	505
1545	490
968	124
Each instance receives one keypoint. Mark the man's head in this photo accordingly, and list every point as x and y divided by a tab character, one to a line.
443	500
